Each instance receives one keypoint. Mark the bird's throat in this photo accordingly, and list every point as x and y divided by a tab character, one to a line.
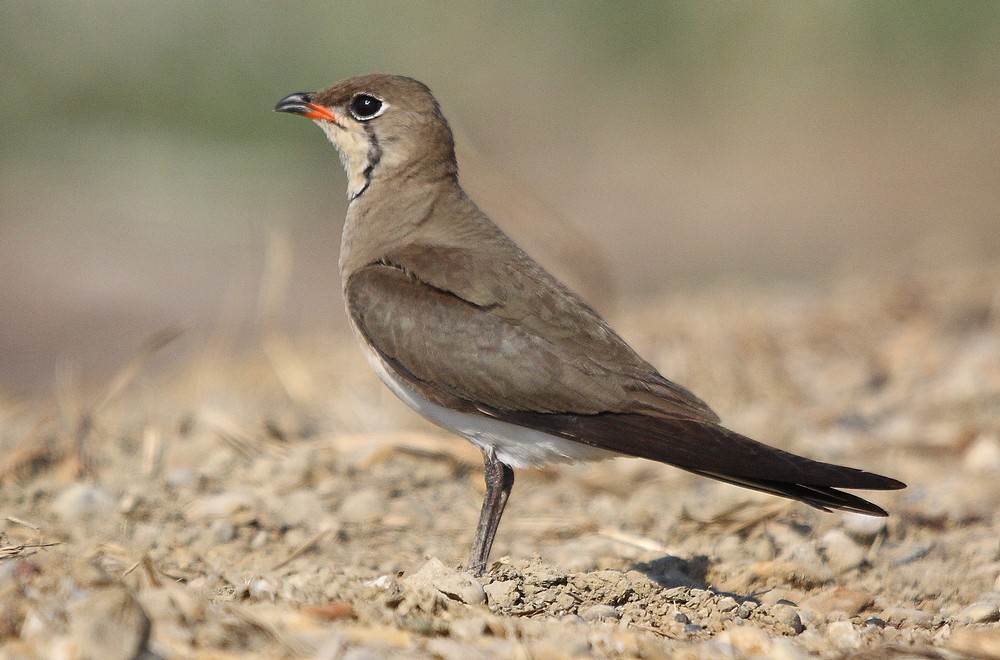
357	153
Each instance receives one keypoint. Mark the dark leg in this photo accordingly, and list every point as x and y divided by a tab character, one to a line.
499	481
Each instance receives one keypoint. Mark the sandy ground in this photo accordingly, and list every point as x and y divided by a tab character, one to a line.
283	504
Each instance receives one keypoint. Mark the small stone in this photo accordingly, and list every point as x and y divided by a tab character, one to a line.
259	540
109	623
381	582
789	616
726	604
843	636
907	615
260	589
811	618
592	613
983	455
453	584
863	527
83	503
841	552
502	593
981	612
563	602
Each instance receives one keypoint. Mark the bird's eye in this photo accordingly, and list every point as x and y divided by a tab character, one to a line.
366	106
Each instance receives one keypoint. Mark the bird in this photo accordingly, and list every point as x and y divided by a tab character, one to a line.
474	335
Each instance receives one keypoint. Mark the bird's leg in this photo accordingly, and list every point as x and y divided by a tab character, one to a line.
499	481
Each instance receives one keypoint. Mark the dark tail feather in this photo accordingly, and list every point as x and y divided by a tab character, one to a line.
823	498
715	451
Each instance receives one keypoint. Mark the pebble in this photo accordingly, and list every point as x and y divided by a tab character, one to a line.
381	582
841	552
109	623
981	612
726	604
843	635
260	589
502	593
789	616
453	584
259	540
83	502
914	617
983	455
863	527
592	613
875	622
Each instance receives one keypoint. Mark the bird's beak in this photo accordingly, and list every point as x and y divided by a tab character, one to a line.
300	103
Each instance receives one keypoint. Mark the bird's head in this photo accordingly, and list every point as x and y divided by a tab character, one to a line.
381	124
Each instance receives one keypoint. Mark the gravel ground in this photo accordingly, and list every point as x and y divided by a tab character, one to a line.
283	504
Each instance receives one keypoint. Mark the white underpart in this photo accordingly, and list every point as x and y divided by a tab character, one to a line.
353	147
514	445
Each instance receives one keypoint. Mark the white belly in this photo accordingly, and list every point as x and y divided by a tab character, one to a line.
514	445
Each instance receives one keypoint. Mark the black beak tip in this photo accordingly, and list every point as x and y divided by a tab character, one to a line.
294	103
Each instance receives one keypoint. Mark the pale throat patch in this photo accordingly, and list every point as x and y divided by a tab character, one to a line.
353	145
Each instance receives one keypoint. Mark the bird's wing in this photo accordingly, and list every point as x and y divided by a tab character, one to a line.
521	298
456	350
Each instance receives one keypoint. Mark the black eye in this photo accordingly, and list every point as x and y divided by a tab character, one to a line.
365	106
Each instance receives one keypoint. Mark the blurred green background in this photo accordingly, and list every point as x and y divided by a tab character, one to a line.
143	174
